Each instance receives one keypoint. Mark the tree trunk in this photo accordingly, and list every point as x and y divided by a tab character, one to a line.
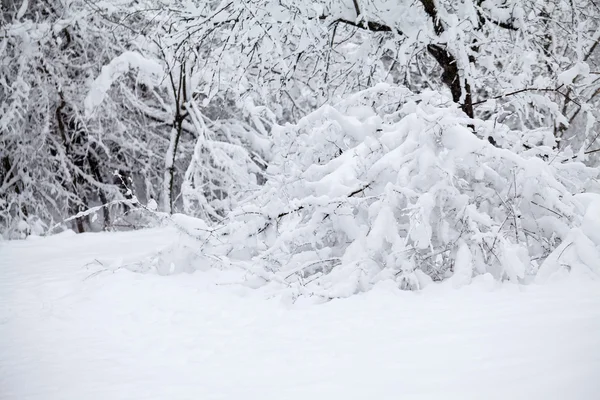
451	78
95	168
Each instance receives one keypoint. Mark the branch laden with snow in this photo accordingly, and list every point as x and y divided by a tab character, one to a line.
362	193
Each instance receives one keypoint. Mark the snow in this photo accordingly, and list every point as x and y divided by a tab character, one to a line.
22	10
75	323
463	268
567	77
149	72
403	197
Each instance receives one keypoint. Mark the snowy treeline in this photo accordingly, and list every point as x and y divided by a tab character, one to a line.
322	144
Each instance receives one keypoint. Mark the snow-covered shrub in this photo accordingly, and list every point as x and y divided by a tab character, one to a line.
391	185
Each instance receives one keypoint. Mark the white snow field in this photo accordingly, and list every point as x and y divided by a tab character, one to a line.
69	331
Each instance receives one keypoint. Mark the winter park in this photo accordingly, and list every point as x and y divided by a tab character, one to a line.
293	199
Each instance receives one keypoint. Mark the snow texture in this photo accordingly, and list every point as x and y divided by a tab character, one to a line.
77	323
149	72
567	77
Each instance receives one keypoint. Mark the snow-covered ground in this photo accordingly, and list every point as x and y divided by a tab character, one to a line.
73	329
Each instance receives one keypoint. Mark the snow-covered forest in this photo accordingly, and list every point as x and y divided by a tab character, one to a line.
324	145
294	199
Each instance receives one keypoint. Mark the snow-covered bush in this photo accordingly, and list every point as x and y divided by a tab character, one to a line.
392	185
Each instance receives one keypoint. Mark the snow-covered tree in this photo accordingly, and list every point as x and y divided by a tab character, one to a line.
322	144
51	160
391	182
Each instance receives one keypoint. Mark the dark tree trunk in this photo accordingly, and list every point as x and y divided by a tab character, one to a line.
75	207
451	78
450	74
95	168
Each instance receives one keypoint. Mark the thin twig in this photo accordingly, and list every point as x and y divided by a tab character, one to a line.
548	209
555	90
